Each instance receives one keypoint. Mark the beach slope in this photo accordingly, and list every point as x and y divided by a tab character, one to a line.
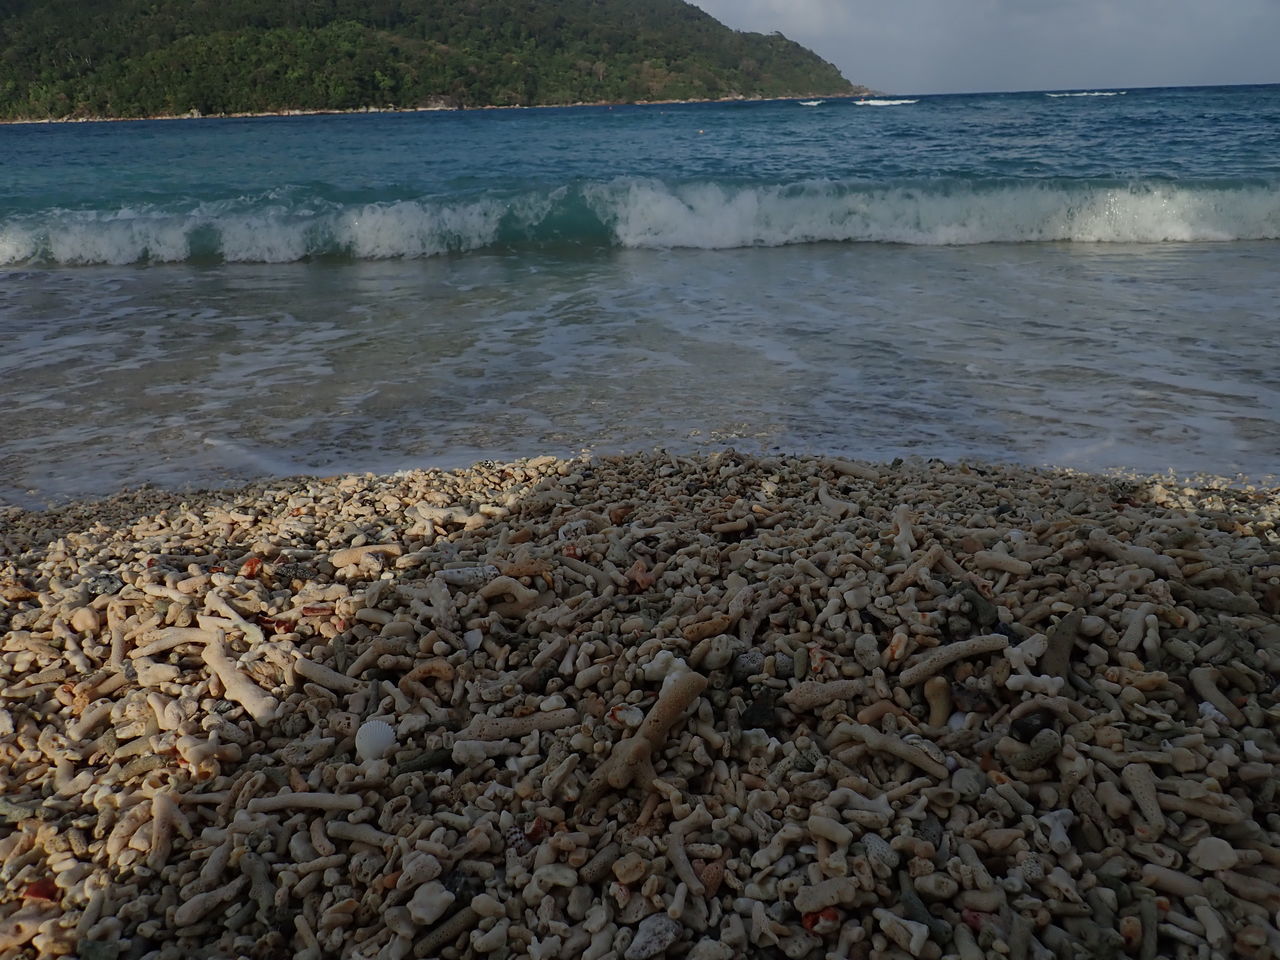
713	706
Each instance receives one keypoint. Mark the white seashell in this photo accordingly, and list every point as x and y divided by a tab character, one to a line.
374	740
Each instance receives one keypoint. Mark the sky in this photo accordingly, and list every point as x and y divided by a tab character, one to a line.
953	46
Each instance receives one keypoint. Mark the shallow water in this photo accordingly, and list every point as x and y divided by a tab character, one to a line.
1095	357
1087	282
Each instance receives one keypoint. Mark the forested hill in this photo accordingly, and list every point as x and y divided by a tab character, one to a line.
130	58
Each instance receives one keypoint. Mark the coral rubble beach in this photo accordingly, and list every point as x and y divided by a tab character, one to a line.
630	707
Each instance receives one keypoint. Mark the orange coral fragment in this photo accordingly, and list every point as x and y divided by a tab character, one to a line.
638	573
711	875
524	567
1131	931
536	830
822	921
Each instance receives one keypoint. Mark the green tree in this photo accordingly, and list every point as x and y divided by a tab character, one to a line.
61	58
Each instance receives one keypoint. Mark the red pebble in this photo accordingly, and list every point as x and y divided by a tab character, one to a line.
827	918
41	890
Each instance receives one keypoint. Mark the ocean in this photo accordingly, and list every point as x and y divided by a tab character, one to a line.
1086	280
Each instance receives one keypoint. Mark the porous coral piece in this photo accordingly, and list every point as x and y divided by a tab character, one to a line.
654	935
257	702
1140	780
832	892
941	657
354	555
880	742
630	759
1044	746
510	728
810	695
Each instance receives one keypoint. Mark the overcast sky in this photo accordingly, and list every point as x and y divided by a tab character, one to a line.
944	46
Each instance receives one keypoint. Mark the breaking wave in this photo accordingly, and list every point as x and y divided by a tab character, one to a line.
1091	93
883	103
648	213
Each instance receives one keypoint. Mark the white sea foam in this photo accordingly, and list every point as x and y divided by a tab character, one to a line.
271	236
277	232
1091	93
883	103
417	229
121	236
17	244
650	213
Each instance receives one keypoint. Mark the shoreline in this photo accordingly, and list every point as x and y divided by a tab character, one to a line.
430	109
167	495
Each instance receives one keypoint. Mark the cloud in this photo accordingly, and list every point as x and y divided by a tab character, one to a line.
943	45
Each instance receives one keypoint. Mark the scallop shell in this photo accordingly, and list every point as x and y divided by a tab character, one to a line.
374	740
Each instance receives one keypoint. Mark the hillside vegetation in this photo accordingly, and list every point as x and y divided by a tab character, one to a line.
129	58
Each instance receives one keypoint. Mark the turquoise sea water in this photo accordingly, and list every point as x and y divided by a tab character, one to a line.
1086	280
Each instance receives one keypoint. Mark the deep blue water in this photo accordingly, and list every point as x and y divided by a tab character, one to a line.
1078	279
